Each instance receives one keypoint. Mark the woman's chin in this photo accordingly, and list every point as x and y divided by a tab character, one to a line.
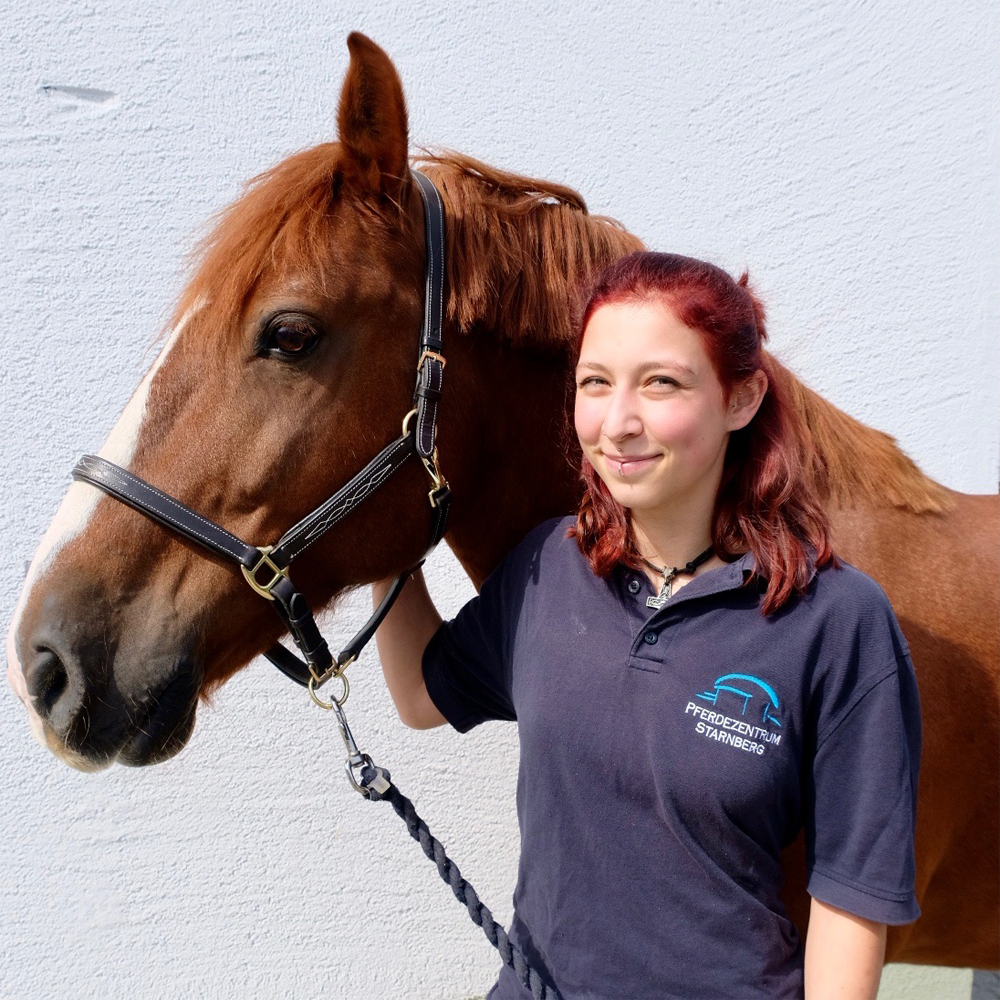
635	497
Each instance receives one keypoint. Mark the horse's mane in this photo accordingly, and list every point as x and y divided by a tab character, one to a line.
853	463
519	249
503	228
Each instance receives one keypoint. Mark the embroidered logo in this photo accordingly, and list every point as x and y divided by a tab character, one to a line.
753	731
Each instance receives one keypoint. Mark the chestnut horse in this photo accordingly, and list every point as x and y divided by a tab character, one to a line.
290	364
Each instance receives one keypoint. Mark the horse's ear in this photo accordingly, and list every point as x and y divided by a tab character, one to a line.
372	118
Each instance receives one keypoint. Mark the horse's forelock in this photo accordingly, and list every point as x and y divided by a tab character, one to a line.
281	224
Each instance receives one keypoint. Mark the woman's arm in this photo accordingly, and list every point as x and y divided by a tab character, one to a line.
402	638
844	955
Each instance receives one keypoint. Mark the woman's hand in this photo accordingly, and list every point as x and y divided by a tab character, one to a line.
844	955
402	638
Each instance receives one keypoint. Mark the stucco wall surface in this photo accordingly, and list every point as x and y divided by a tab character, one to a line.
846	153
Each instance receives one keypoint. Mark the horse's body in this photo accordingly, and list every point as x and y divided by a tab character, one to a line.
121	627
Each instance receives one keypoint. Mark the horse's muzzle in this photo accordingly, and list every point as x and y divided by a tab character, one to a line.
96	701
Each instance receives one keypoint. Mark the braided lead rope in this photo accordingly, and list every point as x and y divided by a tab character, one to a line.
376	782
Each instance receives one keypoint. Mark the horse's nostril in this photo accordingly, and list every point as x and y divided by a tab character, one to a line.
47	680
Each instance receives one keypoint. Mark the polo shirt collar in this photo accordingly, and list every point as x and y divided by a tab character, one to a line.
732	576
747	562
729	577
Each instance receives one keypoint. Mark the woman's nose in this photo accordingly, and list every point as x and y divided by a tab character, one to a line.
622	419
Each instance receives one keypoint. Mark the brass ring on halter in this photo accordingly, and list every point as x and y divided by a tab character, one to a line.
328	705
406	420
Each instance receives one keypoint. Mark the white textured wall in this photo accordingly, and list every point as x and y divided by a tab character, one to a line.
846	152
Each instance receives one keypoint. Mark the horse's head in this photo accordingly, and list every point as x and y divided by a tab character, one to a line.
289	365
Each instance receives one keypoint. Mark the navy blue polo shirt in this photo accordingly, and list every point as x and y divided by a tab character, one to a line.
668	756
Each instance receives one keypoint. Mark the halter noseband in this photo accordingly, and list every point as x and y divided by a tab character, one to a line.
266	568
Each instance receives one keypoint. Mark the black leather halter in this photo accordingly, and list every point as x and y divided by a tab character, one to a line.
266	567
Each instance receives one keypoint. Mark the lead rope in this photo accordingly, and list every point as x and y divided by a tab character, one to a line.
464	892
374	783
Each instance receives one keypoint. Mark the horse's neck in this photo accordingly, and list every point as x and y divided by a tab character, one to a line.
508	447
518	461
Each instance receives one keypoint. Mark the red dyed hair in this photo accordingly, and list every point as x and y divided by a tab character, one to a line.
766	503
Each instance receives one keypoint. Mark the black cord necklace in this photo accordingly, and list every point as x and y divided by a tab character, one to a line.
668	576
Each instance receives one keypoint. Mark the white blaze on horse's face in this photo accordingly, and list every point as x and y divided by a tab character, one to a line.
70	520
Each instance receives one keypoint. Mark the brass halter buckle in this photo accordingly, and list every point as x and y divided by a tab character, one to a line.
431	354
264	589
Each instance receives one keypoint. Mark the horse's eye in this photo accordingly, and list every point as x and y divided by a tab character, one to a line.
290	338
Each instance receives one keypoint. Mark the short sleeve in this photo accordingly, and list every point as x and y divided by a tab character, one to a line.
466	665
861	800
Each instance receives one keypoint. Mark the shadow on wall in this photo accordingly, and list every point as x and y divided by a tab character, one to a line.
80	101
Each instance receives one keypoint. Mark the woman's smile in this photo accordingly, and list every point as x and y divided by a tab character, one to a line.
628	465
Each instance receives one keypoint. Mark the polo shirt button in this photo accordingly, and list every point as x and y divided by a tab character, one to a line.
650	638
634	586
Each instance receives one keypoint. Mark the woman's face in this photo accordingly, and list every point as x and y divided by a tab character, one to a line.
650	411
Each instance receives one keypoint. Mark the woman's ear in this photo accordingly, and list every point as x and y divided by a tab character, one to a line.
745	400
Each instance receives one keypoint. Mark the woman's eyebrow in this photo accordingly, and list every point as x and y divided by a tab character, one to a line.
646	366
673	365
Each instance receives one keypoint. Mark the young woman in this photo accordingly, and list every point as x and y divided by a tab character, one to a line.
694	675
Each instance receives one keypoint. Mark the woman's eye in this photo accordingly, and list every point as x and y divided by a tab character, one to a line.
663	380
288	339
590	380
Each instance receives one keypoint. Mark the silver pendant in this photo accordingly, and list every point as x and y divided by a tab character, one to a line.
664	595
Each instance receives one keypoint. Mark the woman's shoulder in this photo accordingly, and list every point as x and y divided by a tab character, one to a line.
837	588
859	647
548	539
846	592
546	544
553	528
845	587
854	606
